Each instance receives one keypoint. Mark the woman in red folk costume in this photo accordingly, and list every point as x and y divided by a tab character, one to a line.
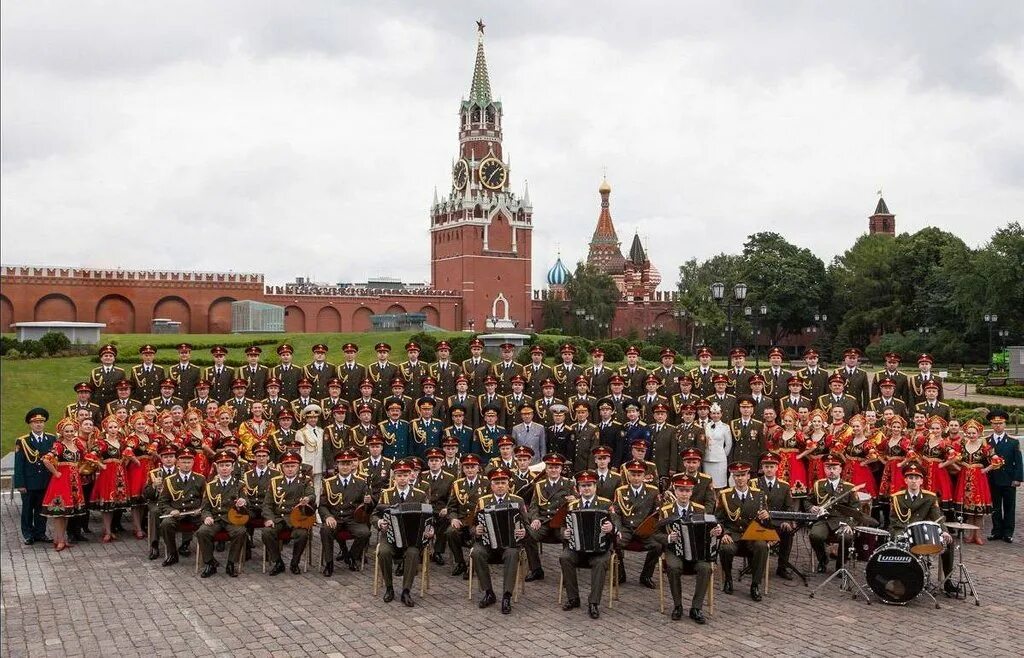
976	458
895	450
936	455
64	498
110	492
140	459
790	444
222	430
198	437
817	446
166	434
860	452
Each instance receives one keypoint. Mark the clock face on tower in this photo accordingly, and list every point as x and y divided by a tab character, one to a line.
460	175
492	173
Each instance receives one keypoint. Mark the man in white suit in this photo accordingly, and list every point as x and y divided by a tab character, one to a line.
530	433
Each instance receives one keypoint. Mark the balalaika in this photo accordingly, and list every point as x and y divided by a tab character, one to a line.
500	523
695	541
407	523
786	515
585	534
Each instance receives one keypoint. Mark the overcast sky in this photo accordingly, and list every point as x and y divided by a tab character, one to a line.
307	138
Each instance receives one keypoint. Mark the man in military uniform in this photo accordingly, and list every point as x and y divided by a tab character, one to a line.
608	480
566	372
703	375
609	430
445	370
650	398
123	399
664	448
761	401
376	468
638	449
305	397
887	399
463	399
151	492
725	401
703	484
506	456
167	400
931	405
351	372
923	376
482	553
619	399
274	402
184	373
689	434
559	437
598	374
440	412
83	391
550	493
739	376
287	372
775	377
740	505
398	394
223	492
397	431
668	373
31	477
815	378
332	400
778	498
286	492
401	492
146	376
462	504
795	399
901	385
106	376
219	375
452	457
382	372
680	506
583	395
286	437
319	371
585	436
366	399
459	431
412	370
685	396
438	485
825	529
336	434
476	368
855	379
491	398
342	494
536	372
181	499
485	438
632	373
254	373
240	402
427	431
507	368
839	398
546	400
636	502
515	400
915	504
748	439
255	483
571	559
202	399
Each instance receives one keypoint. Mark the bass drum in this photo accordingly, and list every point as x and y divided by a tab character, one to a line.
894	575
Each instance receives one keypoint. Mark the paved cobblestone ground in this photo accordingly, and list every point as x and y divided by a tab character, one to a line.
105	600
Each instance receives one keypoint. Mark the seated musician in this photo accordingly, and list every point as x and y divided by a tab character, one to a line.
376	468
151	492
738	507
915	504
825	530
255	483
342	494
437	483
779	498
570	559
223	492
462	502
505	458
550	494
522	477
607	479
704	486
638	452
682	507
482	554
182	492
401	492
285	493
636	503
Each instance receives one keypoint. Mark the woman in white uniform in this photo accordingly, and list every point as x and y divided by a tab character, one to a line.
719	444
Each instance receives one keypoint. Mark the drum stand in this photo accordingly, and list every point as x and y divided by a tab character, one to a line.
847	582
964	581
928	586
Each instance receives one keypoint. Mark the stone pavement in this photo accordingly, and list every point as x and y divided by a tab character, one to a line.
105	600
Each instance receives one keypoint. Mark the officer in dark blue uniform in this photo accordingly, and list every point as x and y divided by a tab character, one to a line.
30	475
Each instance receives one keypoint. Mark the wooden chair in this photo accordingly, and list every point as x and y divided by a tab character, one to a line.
424	569
520	586
662	570
612	580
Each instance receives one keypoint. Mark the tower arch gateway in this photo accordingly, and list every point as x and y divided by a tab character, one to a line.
118	313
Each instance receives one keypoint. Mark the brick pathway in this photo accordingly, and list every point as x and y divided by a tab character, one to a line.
106	600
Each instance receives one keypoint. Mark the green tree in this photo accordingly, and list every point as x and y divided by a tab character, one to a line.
706	319
594	292
553	314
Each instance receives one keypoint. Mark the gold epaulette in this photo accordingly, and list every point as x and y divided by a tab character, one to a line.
605	500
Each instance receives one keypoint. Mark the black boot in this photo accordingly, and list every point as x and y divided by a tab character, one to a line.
593	611
677	613
328	569
697	615
571	604
169	560
488	599
154	550
536	574
506	603
407	598
208	570
277	568
459	569
389	594
755	592
727	586
231	570
183	549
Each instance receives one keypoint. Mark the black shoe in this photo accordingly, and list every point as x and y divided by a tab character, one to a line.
698	616
647	582
29	541
400	568
208	570
459	568
407	598
593	611
154	552
231	570
571	604
783	573
353	564
950	589
755	592
437	559
183	549
1008	540
677	613
465	574
77	537
86	530
727	586
296	569
488	599
622	573
248	554
821	568
328	569
389	594
994	537
506	603
536	574
277	568
169	560
219	546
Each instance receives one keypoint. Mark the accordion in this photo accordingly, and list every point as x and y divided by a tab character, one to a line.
584	530
695	541
407	522
500	524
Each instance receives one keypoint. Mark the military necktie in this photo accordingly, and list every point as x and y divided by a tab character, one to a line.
586	505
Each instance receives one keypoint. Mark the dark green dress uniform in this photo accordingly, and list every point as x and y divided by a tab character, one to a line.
760	404
351	374
289	376
220	381
375	405
340	497
849	404
748	441
377	474
444	373
570	560
916	388
408	407
104	379
704	491
439	490
200	404
462	502
548	498
607	483
319	374
779	497
675	564
541	408
146	381
300	403
412	374
669	379
664	448
901	380
815	381
535	376
598	379
485	442
151	494
940	409
327	406
386	551
880	404
186	377
282	496
184	493
728	403
687	436
71	411
504	371
483	401
857	385
243	410
565	379
220	497
789	402
257	377
483	554
255	484
336	439
824	530
425	435
775	385
735	511
907	509
587	438
634	379
633	507
453	468
166	404
647	405
512	405
702	381
739	380
130	404
476	370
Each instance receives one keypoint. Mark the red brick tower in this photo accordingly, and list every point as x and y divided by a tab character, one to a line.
481	233
882	221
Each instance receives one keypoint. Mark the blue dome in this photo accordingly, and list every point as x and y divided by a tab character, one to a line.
559	274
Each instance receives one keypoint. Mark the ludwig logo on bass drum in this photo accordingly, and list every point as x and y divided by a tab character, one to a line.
894	558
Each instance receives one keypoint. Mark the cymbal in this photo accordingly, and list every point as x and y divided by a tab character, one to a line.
956	525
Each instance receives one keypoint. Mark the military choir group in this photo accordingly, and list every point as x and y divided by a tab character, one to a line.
220	452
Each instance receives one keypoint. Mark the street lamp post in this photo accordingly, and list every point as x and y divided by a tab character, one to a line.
739	293
580	312
756	320
680	315
990	320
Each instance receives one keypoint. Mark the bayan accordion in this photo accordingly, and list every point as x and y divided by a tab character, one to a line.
500	524
407	522
695	541
584	530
